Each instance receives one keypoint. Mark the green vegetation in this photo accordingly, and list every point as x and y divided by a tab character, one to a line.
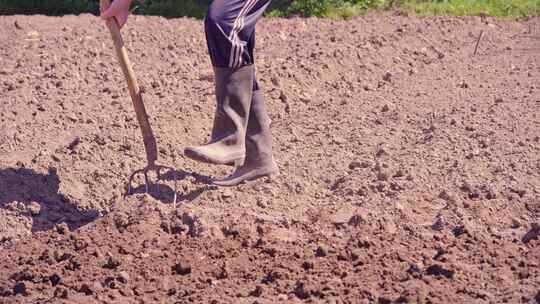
496	8
48	7
282	8
327	8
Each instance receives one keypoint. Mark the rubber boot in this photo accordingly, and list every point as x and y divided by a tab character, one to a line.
259	159
234	89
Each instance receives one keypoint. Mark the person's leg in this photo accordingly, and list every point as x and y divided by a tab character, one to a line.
230	28
259	160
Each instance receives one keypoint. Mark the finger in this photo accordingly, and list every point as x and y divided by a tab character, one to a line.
112	11
107	14
121	19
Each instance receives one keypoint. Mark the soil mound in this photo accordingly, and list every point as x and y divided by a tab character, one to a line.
410	169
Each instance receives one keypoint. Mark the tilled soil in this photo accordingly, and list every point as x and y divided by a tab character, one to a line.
410	166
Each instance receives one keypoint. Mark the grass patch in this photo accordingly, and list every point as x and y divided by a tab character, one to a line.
282	8
49	7
174	8
495	8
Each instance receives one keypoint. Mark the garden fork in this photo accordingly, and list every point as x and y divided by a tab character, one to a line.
150	145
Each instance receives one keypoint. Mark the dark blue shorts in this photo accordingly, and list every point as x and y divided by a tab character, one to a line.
230	31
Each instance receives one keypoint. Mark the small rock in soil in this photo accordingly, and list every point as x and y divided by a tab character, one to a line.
475	193
520	192
262	202
359	164
439	224
126	291
76	141
19	288
257	292
300	292
438	270
445	196
532	234
196	226
80	244
515	223
307	265
61	256
61	293
321	251
356	220
491	194
459	230
399	173
123	277
227	193
4	292
223	272
62	228
55	279
86	289
23	275
414	268
174	226
112	263
97	286
181	268
122	221
343	216
271	277
110	282
34	208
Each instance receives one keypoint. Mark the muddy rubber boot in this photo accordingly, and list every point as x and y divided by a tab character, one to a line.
259	160
234	88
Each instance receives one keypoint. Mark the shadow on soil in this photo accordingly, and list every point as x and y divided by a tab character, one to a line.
165	193
37	196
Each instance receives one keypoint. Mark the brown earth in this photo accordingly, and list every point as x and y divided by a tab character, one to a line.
410	168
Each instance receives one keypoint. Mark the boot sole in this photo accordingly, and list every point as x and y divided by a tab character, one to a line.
204	159
235	182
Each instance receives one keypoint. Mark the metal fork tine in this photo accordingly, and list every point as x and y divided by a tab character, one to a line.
158	175
146	181
158	169
174	197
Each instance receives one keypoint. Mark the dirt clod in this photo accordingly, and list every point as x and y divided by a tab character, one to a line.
300	291
86	289
62	228
257	292
532	234
438	270
182	268
307	265
123	277
55	279
19	288
34	208
112	262
61	293
321	251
